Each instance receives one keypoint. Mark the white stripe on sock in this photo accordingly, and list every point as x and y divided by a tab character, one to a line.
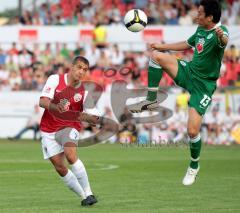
196	139
153	89
154	64
195	160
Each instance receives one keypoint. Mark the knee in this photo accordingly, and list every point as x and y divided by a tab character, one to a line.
61	170
193	132
71	159
156	56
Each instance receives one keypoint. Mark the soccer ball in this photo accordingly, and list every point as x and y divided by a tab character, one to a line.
135	20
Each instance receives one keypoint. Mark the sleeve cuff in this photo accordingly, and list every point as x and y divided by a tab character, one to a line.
189	44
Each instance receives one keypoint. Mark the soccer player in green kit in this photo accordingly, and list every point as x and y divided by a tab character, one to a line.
198	76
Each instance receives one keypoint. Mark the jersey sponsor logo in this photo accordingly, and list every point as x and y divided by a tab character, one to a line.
47	90
200	44
77	97
210	36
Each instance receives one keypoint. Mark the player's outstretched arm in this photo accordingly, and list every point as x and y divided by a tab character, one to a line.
174	46
91	119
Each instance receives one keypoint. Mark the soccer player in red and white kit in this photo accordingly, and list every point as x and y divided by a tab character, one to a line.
62	94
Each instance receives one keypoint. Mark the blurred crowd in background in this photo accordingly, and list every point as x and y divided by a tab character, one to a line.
85	12
217	128
24	68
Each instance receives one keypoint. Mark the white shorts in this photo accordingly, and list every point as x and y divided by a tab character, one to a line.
50	146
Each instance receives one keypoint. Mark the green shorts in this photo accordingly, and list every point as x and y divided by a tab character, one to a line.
201	90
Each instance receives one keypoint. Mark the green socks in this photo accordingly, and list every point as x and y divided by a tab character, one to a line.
195	148
155	73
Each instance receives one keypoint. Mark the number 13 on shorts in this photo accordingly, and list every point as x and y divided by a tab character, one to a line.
205	101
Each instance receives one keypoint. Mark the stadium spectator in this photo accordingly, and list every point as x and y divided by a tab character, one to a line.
100	36
143	134
177	124
213	125
32	124
160	133
3	57
13	50
92	53
141	60
78	50
15	80
116	56
64	52
127	129
184	19
227	123
103	60
182	100
4	75
26	18
24	58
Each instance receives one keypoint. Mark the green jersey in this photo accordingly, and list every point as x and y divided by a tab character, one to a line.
208	53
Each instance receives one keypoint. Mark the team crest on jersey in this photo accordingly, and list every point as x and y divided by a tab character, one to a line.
210	36
77	97
183	63
200	44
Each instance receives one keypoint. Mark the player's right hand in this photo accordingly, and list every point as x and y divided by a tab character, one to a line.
63	105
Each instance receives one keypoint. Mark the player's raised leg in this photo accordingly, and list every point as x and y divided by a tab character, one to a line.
78	168
158	62
67	175
194	125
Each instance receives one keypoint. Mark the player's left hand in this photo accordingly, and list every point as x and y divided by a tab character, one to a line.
91	119
219	32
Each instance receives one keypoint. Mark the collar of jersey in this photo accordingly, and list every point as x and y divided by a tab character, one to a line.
66	81
216	26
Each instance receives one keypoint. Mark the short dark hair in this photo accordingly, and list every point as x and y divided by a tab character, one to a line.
80	58
212	8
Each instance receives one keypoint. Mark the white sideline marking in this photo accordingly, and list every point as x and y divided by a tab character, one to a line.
102	167
23	171
21	161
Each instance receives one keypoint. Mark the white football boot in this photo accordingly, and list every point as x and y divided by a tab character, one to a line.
143	106
190	176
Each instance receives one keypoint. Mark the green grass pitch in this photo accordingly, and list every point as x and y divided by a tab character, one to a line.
131	179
